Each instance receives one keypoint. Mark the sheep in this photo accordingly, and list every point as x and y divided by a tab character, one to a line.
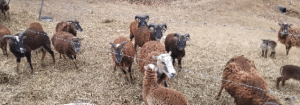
66	44
176	43
268	45
3	44
33	38
243	71
285	37
144	34
123	52
69	27
287	72
154	94
140	21
4	7
154	51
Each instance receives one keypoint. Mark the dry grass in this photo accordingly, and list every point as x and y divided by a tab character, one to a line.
94	82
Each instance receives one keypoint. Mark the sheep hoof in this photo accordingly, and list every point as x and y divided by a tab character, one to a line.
217	97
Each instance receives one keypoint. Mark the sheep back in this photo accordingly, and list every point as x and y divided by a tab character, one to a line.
67	27
133	28
151	46
242	70
35	26
36	37
290	71
142	36
3	31
61	42
128	51
285	39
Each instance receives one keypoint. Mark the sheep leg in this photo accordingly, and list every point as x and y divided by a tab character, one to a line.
50	51
179	63
59	56
266	53
43	57
165	83
129	70
219	94
70	56
283	80
173	62
126	76
262	53
288	47
4	13
65	57
115	67
18	63
278	81
272	54
136	56
28	56
162	79
131	36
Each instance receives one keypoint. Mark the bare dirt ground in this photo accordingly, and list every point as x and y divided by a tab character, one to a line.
94	82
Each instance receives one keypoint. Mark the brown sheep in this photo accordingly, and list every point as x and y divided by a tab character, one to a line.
33	38
144	34
4	7
154	94
242	70
3	45
140	21
288	36
66	44
123	53
287	72
71	27
154	51
176	43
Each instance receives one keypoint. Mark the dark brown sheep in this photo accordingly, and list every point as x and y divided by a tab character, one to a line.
287	72
154	94
242	70
69	26
4	7
66	44
123	53
288	36
154	51
140	21
33	38
3	44
176	43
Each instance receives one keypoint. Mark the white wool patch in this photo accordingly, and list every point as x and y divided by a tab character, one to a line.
17	38
165	37
151	66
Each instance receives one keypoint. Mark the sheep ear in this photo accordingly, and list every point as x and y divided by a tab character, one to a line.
154	57
170	52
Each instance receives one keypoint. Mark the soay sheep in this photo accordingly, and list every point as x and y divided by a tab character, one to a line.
287	72
268	45
140	21
154	94
3	44
154	51
242	70
4	7
33	38
66	44
175	42
144	34
285	38
122	48
69	26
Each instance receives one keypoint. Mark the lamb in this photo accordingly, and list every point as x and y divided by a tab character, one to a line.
123	52
66	44
3	44
33	38
242	70
287	72
154	94
144	34
176	43
140	21
154	52
4	7
288	36
69	27
268	45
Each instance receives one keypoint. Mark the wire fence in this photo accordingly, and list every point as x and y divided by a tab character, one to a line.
189	71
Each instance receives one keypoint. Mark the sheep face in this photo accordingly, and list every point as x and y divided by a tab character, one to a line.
76	26
164	64
284	28
158	30
16	42
3	3
142	20
181	40
118	51
75	44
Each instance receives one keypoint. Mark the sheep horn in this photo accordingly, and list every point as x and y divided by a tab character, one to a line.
21	34
137	16
8	2
122	44
146	16
187	35
70	21
152	25
178	35
163	25
112	44
7	36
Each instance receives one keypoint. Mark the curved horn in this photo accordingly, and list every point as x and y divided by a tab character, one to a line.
122	44
177	34
70	21
112	44
163	25
7	37
152	25
147	17
187	36
21	34
8	2
137	16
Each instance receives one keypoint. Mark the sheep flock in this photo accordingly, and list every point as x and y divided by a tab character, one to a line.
150	50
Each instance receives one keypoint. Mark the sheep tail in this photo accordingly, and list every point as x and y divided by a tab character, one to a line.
281	70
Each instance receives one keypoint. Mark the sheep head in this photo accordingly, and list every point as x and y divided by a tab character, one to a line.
181	40
16	42
284	28
75	25
157	30
75	44
118	50
142	20
164	64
